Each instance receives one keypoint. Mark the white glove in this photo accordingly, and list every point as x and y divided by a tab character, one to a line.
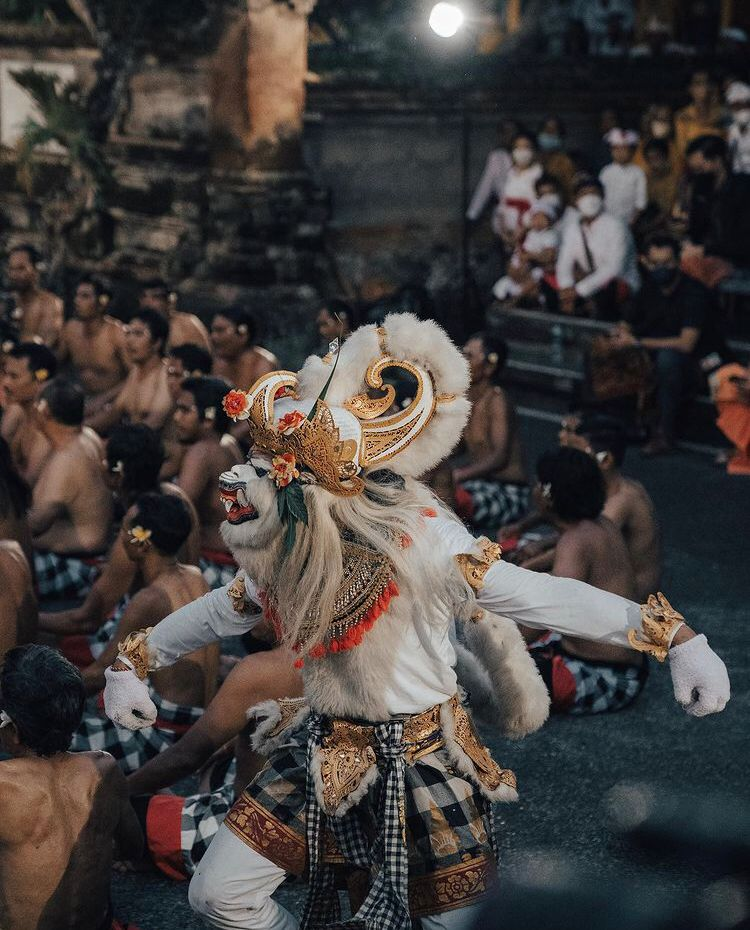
699	677
126	699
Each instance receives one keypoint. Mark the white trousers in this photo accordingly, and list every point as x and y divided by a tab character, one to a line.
233	884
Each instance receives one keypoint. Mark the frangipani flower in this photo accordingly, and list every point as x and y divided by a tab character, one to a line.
41	374
236	405
290	421
139	535
284	469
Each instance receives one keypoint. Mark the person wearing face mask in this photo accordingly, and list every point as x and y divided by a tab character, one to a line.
657	124
738	101
597	266
673	319
554	160
519	193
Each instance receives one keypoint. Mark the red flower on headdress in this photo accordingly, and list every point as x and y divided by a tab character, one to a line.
236	405
284	469
290	421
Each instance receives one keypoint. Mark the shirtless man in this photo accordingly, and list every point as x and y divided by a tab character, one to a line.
15	500
183	327
144	397
38	314
153	532
133	459
584	677
28	367
18	607
185	361
236	357
488	474
94	345
202	427
71	506
59	811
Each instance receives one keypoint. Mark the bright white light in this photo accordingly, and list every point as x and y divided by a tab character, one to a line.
446	19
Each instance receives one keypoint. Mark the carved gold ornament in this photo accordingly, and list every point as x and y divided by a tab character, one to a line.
135	649
659	623
487	770
236	594
288	710
475	567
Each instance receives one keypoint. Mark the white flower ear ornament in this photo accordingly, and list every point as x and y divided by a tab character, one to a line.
139	536
5	720
209	414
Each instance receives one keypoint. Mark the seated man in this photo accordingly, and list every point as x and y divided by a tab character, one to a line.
237	359
179	829
144	397
202	428
183	327
18	607
38	314
673	318
133	459
71	506
730	390
15	500
153	533
582	676
94	345
597	266
59	811
27	368
184	361
488	477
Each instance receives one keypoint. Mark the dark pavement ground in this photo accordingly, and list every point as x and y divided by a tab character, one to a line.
566	770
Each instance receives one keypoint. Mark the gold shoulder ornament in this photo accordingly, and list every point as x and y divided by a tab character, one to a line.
659	623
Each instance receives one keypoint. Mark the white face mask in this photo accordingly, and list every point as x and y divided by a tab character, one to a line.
660	128
742	117
589	205
522	157
555	200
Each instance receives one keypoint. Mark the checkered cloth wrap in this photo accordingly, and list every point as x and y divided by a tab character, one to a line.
133	748
495	504
98	641
216	575
448	821
202	815
63	577
600	687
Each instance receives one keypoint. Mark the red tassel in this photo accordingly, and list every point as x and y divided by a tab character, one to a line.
299	663
318	651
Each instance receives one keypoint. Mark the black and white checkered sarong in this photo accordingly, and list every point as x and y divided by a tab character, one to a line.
63	577
215	574
495	504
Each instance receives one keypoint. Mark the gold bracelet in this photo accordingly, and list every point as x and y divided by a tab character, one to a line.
135	649
659	623
475	567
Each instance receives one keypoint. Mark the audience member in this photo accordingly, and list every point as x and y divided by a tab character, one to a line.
144	397
518	193
672	318
702	116
623	181
202	427
15	500
185	361
59	811
657	125
179	829
738	101
38	314
730	390
153	533
28	367
18	605
608	24
237	359
582	676
94	345
183	327
489	477
601	154
597	268
71	507
492	184
335	320
534	257
555	160
661	182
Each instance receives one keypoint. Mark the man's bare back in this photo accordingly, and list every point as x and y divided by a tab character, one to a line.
28	445
58	818
244	371
42	317
97	353
18	607
630	508
493	428
73	478
187	328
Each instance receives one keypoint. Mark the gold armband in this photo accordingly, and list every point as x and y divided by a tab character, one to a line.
475	567
135	649
236	594
659	623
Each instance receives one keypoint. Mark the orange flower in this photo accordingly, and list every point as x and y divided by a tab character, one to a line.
290	421
284	469
236	405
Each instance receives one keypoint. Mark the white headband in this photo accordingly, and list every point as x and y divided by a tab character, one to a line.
5	719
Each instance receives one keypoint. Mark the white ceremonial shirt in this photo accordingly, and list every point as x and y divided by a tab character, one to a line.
625	193
612	250
739	149
491	184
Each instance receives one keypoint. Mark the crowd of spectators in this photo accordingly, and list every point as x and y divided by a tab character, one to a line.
645	237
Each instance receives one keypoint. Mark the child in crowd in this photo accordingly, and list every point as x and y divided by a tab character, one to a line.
59	811
535	256
625	193
584	677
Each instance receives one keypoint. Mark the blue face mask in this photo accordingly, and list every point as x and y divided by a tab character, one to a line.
549	142
662	275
